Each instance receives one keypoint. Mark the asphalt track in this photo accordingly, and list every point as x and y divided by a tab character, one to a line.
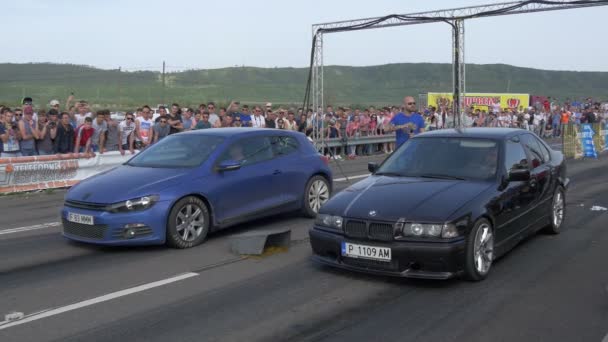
550	288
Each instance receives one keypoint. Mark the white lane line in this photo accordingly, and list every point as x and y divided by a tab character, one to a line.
25	229
350	177
97	300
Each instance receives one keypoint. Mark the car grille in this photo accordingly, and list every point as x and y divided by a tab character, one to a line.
373	264
369	230
86	205
356	229
94	232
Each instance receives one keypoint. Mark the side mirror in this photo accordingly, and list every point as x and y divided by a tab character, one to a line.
229	165
519	175
372	167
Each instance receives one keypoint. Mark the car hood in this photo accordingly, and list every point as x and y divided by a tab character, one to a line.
125	182
391	198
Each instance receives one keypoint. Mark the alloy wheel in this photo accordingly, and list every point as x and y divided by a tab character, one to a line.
318	194
190	222
483	249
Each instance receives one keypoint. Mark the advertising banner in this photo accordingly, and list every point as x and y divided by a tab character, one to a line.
586	136
482	101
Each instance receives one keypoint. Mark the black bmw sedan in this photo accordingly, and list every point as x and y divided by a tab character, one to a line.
446	203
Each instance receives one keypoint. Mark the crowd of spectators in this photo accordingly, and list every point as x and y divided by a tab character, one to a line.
25	132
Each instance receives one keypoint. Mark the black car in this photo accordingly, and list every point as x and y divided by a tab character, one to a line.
446	203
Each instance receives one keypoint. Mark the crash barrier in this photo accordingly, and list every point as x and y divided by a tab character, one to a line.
584	140
20	174
371	139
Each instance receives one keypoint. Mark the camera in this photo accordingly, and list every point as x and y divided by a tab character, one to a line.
52	124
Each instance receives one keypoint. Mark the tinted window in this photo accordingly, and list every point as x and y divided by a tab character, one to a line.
448	157
543	150
533	147
249	151
284	145
175	151
515	156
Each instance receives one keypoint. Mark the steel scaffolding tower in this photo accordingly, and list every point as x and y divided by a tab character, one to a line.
455	17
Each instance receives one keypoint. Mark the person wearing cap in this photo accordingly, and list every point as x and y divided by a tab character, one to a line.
55	105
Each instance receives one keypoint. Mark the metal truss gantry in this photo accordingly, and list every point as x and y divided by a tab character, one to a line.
455	17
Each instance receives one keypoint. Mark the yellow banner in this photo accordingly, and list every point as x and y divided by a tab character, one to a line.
481	101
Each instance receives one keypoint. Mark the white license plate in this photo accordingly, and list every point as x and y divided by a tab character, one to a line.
83	219
366	252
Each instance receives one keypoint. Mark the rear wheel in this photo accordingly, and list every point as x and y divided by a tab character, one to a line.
479	251
188	223
317	192
558	211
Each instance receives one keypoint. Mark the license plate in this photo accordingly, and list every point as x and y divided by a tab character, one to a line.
83	219
366	252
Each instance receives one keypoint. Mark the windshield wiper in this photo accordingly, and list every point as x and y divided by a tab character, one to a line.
392	174
439	176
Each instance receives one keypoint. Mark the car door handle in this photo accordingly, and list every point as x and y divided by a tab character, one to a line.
277	172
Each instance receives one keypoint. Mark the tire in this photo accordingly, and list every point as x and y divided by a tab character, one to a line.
184	229
316	193
557	216
479	254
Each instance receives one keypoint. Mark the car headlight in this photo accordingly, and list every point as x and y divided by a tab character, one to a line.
140	203
329	221
409	229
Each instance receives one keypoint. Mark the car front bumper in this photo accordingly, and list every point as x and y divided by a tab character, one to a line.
109	228
428	260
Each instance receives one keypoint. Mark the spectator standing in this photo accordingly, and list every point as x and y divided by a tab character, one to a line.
258	120
162	113
113	136
84	136
188	120
245	117
175	119
81	113
214	119
64	140
10	135
205	122
161	130
271	119
290	123
408	123
143	126
29	132
126	131
100	127
47	127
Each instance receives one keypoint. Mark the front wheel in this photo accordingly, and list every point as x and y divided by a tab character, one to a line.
317	192
558	211
188	223
479	251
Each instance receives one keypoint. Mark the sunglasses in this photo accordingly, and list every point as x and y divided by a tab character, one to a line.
163	121
411	103
129	118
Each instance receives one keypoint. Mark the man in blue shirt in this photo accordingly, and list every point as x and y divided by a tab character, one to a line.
408	123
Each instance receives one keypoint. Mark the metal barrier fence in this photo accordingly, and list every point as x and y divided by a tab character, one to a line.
572	139
368	140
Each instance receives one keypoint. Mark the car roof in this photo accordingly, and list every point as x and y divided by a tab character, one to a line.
475	132
237	131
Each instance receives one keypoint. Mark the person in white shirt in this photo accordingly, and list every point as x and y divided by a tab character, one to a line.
125	132
214	119
143	126
257	119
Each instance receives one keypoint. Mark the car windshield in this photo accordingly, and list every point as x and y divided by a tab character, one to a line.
177	151
444	158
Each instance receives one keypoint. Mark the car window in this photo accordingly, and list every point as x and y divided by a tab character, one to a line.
533	147
462	158
249	151
284	145
543	150
175	151
515	156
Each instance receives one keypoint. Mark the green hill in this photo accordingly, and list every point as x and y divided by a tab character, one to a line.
344	85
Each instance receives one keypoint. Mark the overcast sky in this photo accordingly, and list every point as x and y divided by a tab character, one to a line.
140	34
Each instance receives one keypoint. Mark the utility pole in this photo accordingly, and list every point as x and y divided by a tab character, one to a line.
163	79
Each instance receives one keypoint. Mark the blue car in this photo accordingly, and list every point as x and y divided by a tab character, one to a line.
193	183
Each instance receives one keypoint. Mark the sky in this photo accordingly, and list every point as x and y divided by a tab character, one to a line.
189	34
